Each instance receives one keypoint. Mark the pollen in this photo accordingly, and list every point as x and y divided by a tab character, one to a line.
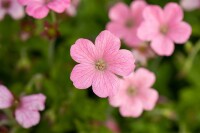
131	91
100	65
164	30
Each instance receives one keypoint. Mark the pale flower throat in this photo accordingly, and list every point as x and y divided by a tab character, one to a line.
131	91
100	65
164	30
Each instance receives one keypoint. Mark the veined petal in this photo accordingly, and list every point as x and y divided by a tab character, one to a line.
6	98
34	102
59	6
105	84
107	44
27	118
83	51
122	63
82	75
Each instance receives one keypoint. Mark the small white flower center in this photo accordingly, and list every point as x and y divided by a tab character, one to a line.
100	65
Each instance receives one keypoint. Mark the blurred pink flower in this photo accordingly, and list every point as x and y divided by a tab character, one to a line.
72	9
11	7
27	107
142	53
40	8
112	125
190	4
135	94
125	21
100	64
163	28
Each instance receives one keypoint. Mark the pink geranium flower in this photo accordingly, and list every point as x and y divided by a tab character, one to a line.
26	108
125	21
11	7
40	8
100	64
190	4
135	94
163	28
72	9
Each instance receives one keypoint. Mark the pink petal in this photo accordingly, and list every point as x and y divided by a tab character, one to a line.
162	45
16	10
180	32
2	13
107	44
6	98
105	84
117	29
149	98
188	5
148	30
134	109
120	97
24	2
143	78
131	39
33	102
173	12
119	12
82	75
137	8
27	118
59	6
122	63
37	10
83	51
154	14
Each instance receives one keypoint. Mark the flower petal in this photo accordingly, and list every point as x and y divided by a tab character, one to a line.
107	44
27	118
83	51
133	109
188	5
33	102
16	10
119	12
173	12
59	6
6	98
105	84
180	32
2	13
24	2
82	75
162	45
122	63
117	29
149	98
37	10
143	78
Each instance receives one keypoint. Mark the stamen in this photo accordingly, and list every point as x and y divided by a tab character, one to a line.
100	65
131	91
129	23
164	30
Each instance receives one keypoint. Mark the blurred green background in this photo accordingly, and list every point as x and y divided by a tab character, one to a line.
27	67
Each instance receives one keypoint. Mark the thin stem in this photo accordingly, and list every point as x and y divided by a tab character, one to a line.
51	52
53	17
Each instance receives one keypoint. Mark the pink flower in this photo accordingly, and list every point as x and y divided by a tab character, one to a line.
112	125
125	21
40	8
27	107
135	94
11	7
163	28
72	9
142	53
100	64
190	4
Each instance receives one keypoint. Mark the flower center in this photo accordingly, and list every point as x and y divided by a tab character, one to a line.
129	23
164	29
6	4
131	91
100	65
